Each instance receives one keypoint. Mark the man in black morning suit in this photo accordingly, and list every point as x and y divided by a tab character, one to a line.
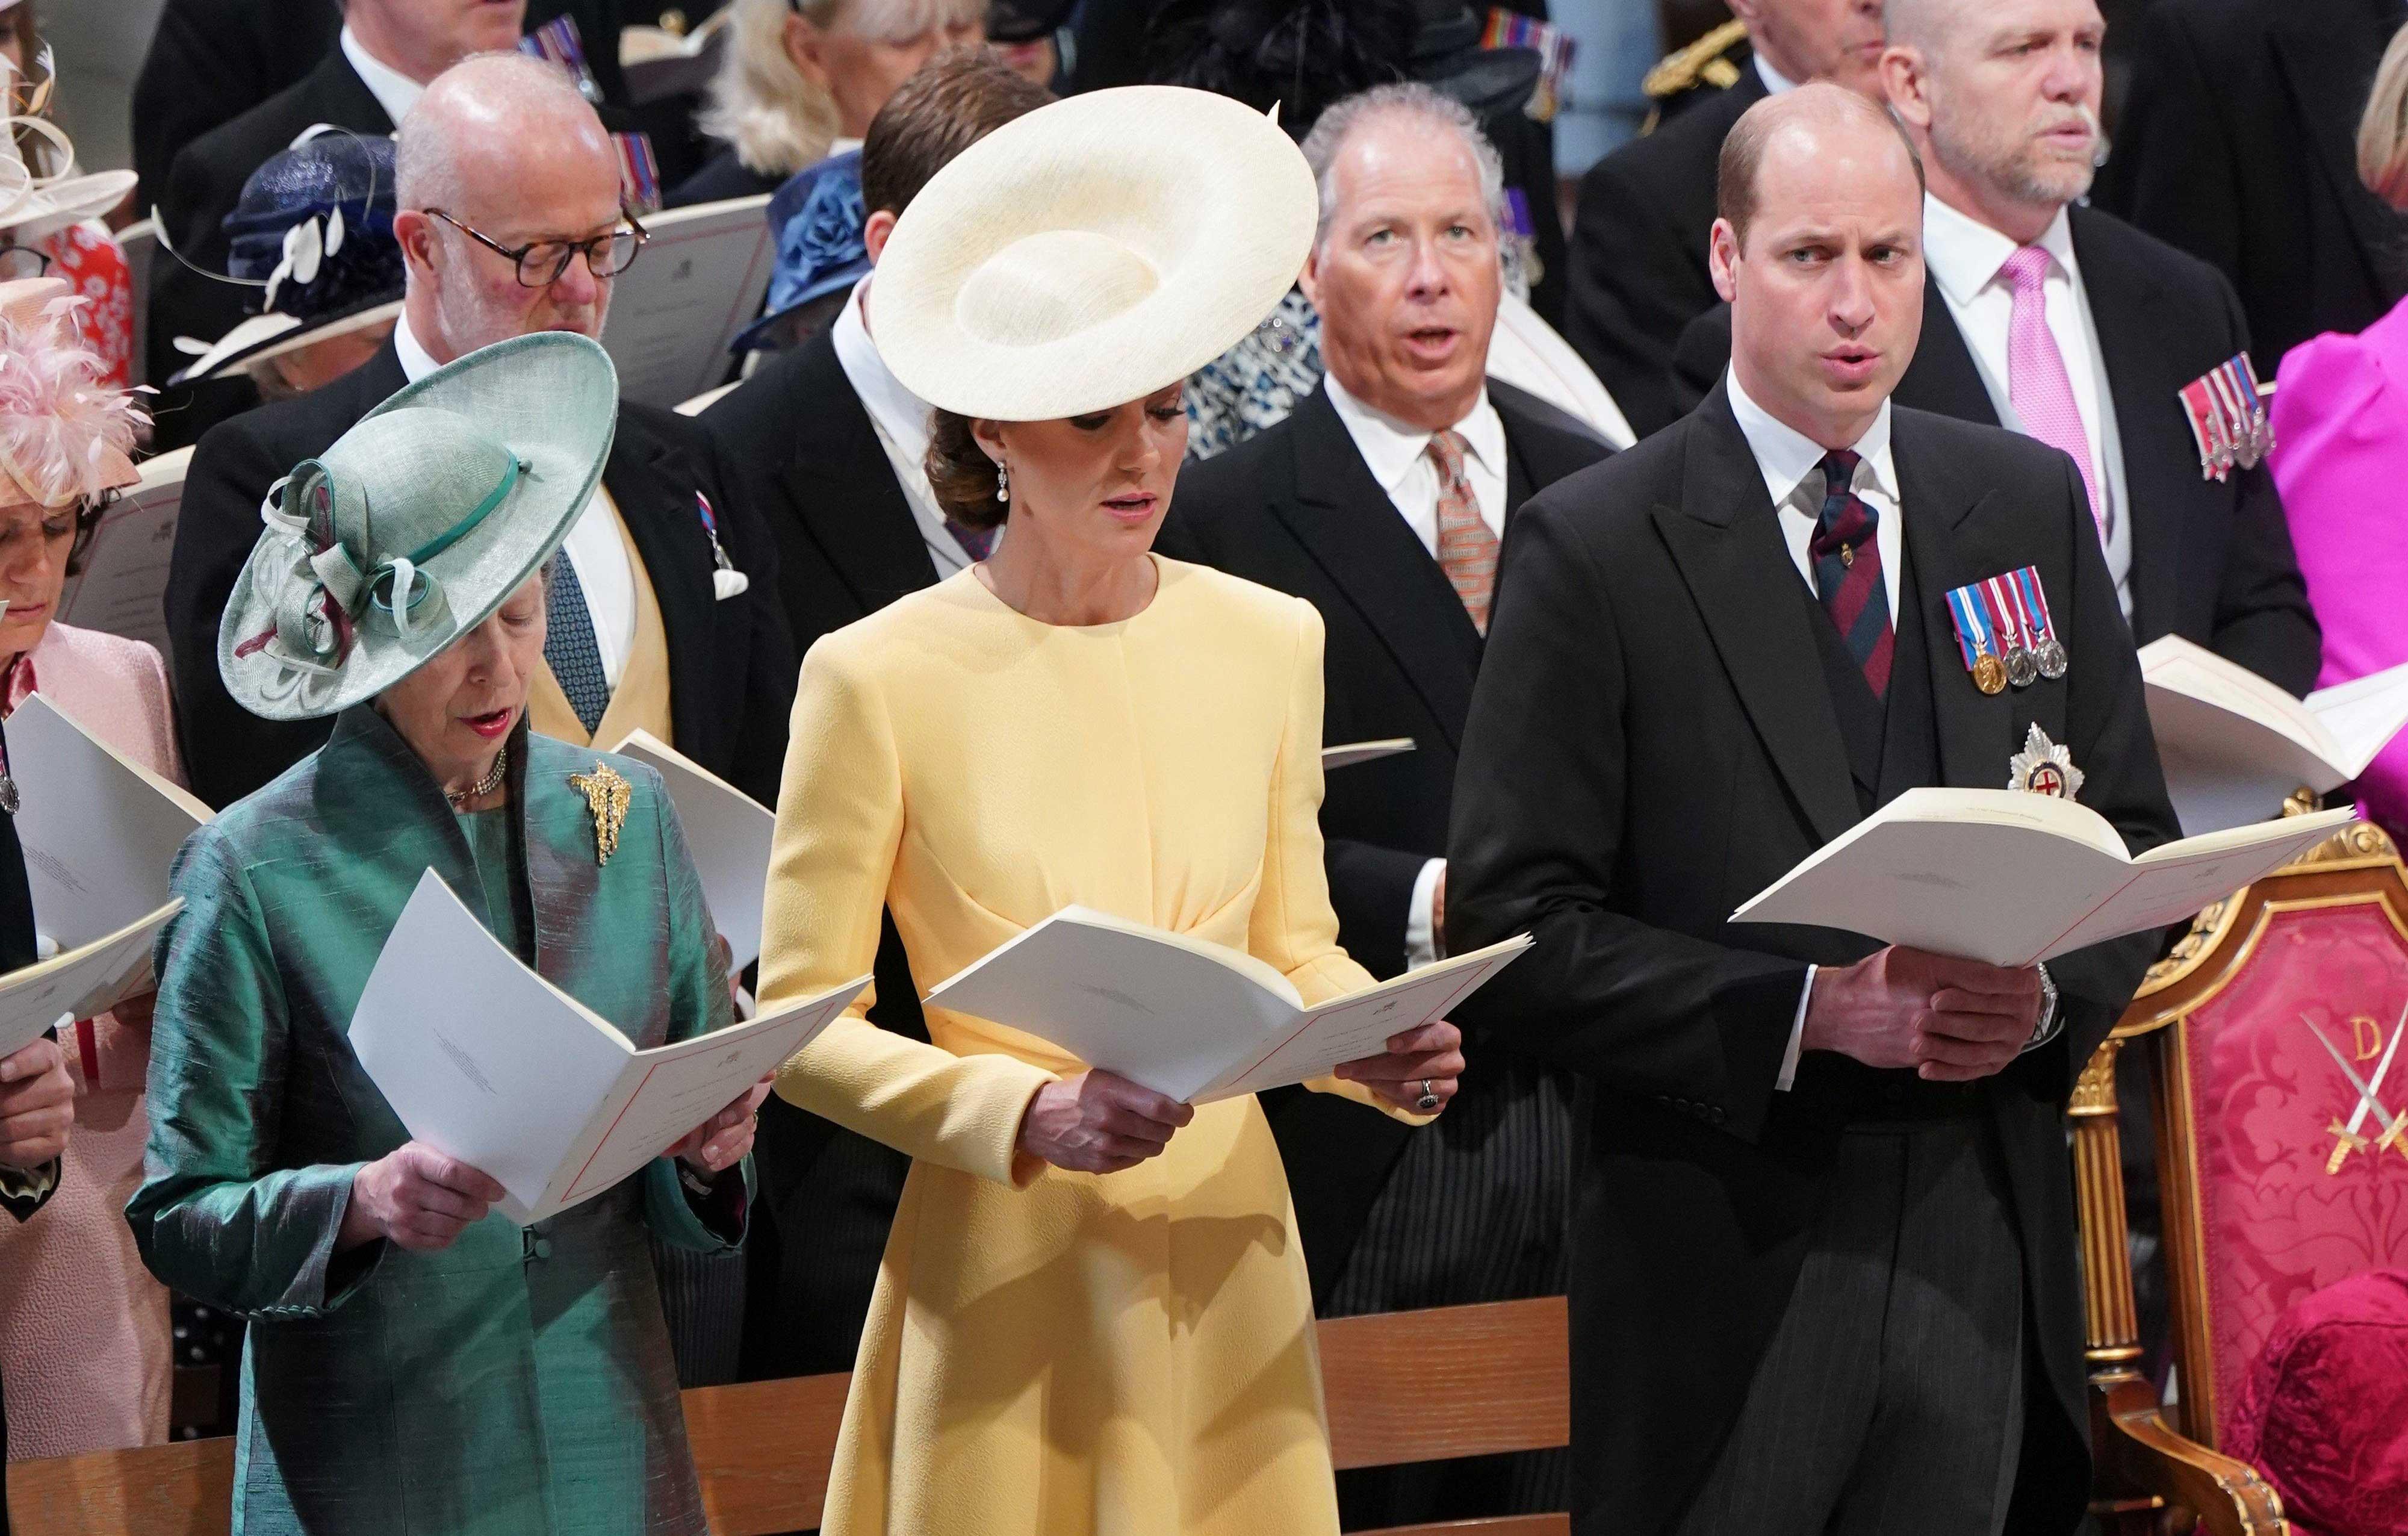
386	53
2238	143
1823	1267
830	450
1639	236
1348	504
2009	152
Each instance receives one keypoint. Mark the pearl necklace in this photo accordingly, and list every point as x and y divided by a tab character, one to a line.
484	786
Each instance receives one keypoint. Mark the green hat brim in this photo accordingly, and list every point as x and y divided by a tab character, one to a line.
552	398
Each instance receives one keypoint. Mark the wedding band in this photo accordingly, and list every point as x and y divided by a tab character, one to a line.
1429	1100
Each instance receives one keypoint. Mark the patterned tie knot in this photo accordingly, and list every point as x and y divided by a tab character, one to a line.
1846	523
2027	269
1449	449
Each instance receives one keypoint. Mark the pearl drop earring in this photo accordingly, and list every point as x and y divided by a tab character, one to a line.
1002	482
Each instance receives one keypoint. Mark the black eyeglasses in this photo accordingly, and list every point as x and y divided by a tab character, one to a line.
543	263
22	261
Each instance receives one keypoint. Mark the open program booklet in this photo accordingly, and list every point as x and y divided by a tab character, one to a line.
489	1063
2234	745
1192	1020
726	831
2014	879
100	834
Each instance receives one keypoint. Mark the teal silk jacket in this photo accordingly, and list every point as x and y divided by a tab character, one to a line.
515	1383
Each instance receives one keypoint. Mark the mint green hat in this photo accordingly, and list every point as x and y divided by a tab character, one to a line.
416	525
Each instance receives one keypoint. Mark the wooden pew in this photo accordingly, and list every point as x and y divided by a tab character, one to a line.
1401	1387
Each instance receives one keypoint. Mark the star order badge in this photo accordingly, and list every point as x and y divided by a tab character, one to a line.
2043	768
607	796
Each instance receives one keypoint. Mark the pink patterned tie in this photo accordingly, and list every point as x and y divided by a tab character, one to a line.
1467	551
2036	377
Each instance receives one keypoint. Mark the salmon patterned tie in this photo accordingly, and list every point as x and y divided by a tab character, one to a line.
1467	551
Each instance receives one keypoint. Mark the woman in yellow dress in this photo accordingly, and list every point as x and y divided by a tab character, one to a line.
1094	1315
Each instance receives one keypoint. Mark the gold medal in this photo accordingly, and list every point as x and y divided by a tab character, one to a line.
1989	673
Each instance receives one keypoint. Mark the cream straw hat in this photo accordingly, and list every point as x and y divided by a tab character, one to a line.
1091	252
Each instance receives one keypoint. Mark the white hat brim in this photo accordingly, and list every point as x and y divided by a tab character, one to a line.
46	211
260	337
1210	206
553	398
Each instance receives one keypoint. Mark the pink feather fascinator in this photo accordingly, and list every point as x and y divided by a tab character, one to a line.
64	435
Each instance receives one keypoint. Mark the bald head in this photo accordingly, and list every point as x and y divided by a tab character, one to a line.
502	145
484	121
1812	115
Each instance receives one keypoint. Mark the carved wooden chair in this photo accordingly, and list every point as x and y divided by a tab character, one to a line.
2273	1184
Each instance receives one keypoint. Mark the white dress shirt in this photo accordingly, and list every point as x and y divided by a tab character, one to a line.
1398	457
1965	256
901	419
1790	463
1774	80
396	92
593	546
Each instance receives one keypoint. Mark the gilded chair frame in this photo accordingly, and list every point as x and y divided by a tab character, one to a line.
2158	1463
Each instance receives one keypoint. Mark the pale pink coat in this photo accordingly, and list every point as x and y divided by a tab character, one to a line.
83	1327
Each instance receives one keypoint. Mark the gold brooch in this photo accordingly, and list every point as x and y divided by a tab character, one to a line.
605	796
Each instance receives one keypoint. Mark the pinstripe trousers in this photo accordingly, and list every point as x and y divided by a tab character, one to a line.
1890	1400
1478	1209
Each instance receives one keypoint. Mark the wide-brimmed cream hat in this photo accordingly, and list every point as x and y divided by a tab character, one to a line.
34	204
1091	252
416	525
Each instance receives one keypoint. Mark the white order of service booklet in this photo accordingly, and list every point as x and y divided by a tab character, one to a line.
727	832
2235	746
122	589
99	834
2013	878
488	1062
1193	1020
701	279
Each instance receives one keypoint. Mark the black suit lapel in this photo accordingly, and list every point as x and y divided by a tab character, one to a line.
2321	54
1944	377
1726	538
2162	475
1345	521
1945	521
657	503
336	94
842	487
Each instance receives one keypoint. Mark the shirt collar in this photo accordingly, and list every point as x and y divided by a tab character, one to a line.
1774	80
903	414
1391	448
416	361
1965	255
396	92
1786	456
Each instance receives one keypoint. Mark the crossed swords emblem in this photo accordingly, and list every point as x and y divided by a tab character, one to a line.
2395	1127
